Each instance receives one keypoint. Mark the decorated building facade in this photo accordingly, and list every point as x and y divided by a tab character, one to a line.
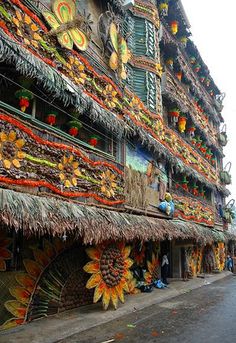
110	154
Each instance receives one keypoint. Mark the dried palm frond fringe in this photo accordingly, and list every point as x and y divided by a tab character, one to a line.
58	87
136	189
36	215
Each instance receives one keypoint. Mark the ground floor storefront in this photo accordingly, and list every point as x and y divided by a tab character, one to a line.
66	255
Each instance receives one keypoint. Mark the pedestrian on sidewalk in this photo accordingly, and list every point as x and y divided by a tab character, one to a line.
164	269
229	263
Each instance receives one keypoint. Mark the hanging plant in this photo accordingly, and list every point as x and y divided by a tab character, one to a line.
207	82
179	75
184	183
74	127
202	78
174	113
24	97
94	140
198	142
225	176
191	131
208	154
197	67
170	62
174	27
192	59
182	124
194	141
163	8
201	191
51	118
223	139
211	92
213	160
203	148
194	189
184	41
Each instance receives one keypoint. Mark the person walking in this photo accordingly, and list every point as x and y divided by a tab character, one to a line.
164	268
229	263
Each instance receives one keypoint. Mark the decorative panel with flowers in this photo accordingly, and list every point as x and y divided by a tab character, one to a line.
28	160
25	29
189	209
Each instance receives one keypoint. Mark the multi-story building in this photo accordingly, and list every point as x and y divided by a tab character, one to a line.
110	153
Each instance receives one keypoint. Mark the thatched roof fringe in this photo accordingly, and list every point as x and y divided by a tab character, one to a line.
41	215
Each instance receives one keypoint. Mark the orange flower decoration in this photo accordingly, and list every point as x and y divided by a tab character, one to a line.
20	20
5	254
10	149
153	270
80	70
136	108
108	183
110	273
69	171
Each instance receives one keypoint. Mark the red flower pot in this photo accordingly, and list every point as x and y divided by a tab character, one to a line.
51	119
24	104
73	131
93	141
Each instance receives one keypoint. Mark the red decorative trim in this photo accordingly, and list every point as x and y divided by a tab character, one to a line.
46	184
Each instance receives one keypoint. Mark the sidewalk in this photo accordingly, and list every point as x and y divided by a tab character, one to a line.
60	326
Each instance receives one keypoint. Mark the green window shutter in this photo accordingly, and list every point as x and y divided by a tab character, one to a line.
128	29
144	38
151	91
145	87
140	84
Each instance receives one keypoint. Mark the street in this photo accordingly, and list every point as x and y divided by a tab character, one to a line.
205	315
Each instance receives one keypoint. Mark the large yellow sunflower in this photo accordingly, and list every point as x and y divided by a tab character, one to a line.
69	171
110	272
108	183
153	269
10	149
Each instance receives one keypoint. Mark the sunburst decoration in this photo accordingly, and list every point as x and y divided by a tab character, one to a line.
10	149
5	253
69	171
153	269
110	272
108	183
27	282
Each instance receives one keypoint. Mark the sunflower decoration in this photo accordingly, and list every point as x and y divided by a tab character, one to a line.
153	269
132	285
110	95
5	253
69	171
136	108
108	183
10	149
22	20
110	272
24	291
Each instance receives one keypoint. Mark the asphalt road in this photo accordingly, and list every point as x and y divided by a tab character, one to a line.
205	315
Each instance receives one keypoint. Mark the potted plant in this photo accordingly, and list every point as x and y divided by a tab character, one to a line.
179	75
192	59
207	82
174	113
202	78
208	154
183	41
163	8
24	97
182	124
174	27
184	183
194	189
213	160
51	118
197	67
74	127
170	62
191	131
198	142
203	148
94	140
201	191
